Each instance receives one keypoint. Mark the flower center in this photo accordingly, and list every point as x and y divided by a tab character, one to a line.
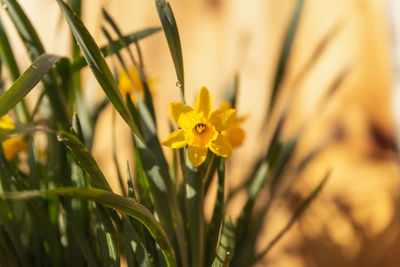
199	128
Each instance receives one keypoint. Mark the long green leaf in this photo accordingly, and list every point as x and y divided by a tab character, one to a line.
162	189
7	56
171	33
106	238
26	82
80	63
226	245
215	225
24	28
85	159
285	52
299	211
122	204
135	250
35	48
195	204
97	64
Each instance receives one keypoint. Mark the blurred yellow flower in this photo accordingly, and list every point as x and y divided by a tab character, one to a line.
13	145
6	123
201	128
235	133
126	82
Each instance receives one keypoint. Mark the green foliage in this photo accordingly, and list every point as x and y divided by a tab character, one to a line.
57	207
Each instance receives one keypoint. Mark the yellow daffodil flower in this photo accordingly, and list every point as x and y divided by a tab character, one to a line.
13	145
201	129
235	133
125	83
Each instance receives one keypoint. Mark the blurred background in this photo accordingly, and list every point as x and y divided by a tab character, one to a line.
355	220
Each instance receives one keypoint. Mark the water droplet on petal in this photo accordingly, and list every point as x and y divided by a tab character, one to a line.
179	84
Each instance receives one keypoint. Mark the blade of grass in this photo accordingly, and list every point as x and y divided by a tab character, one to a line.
157	170
47	235
215	225
8	58
126	40
106	238
195	203
285	53
97	64
144	236
300	210
85	159
171	33
118	32
135	250
122	204
226	245
80	237
165	201
317	52
7	222
26	82
35	48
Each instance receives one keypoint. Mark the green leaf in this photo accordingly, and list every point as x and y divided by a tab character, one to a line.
85	159
24	28
35	48
106	238
215	225
164	197
226	245
162	190
126	40
26	82
120	36
285	52
97	64
171	33
81	239
135	250
122	204
195	203
299	211
7	55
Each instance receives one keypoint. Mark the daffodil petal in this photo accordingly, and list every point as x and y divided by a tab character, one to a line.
197	155
235	135
203	139
222	118
225	105
221	146
181	114
176	139
6	123
203	104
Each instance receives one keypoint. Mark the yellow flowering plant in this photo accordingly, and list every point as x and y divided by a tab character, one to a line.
201	128
74	217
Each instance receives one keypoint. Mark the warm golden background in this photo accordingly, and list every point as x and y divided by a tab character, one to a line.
355	221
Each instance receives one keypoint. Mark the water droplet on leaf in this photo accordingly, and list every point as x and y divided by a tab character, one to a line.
59	138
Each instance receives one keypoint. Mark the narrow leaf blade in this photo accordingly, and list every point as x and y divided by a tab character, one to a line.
26	82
